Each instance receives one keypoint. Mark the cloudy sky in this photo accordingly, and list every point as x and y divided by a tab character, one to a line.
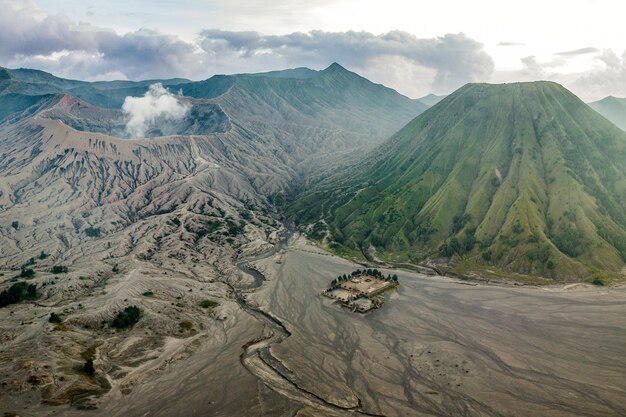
416	47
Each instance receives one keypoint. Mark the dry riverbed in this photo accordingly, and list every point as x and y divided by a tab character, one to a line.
437	347
442	347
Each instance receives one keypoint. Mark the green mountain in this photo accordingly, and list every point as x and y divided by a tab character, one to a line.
521	178
613	108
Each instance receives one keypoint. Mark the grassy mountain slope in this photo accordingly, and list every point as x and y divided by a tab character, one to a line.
613	108
521	177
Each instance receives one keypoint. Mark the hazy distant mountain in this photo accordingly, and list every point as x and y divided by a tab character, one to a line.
522	177
301	73
431	99
334	98
612	108
101	93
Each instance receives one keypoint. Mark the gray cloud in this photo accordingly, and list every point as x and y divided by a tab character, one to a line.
609	80
576	52
84	51
454	58
506	43
607	75
535	69
56	44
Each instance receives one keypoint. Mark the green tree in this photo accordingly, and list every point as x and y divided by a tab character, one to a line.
127	317
55	318
59	269
27	273
93	231
88	367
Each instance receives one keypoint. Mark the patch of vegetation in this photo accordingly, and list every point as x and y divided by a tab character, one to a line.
115	269
93	231
59	269
148	294
88	367
55	318
209	304
18	292
598	278
570	241
127	317
570	214
370	272
43	255
245	214
317	231
458	222
539	253
424	231
27	273
15	224
597	281
448	249
185	325
210	227
233	229
30	262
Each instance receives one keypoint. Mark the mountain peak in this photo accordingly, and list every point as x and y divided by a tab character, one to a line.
521	86
337	73
431	99
613	108
335	67
531	91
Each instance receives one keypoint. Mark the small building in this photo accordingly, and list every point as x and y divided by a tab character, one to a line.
340	294
362	304
359	293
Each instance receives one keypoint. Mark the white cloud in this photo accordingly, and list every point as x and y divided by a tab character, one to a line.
411	64
157	107
608	78
451	60
54	43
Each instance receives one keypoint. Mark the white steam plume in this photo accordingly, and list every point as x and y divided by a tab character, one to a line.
157	106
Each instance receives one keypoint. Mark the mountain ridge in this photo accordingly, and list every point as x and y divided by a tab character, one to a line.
613	108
